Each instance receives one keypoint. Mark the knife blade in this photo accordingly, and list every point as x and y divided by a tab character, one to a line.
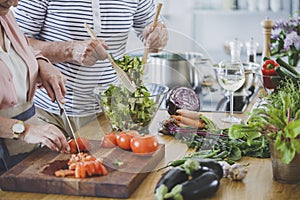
67	122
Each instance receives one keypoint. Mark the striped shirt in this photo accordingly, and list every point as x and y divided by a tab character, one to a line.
61	20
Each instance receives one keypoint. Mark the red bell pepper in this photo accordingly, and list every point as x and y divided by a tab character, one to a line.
268	70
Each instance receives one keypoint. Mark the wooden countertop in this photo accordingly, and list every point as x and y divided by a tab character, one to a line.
257	185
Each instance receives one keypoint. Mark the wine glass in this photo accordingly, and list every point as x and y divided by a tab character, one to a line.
231	77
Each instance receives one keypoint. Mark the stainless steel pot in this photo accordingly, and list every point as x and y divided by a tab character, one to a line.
174	69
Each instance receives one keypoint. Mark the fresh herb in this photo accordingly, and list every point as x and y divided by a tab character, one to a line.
278	120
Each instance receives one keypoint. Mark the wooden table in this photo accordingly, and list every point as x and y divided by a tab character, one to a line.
257	185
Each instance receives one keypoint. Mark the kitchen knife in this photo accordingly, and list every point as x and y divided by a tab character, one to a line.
67	122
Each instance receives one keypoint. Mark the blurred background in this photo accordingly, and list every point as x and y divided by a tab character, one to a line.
211	24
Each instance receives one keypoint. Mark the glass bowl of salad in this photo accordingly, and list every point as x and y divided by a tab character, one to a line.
130	111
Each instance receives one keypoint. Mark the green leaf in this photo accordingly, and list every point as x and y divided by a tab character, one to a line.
292	129
235	153
296	144
288	155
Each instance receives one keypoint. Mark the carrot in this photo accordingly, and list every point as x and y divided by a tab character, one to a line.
195	123
189	113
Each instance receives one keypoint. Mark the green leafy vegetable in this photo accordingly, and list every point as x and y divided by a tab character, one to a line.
278	120
129	110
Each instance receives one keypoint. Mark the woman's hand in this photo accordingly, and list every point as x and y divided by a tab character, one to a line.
157	37
48	135
88	52
52	80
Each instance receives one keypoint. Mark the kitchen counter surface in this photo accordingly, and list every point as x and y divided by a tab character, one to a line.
258	184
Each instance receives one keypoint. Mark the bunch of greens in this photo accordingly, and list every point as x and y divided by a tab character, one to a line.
228	149
278	120
215	143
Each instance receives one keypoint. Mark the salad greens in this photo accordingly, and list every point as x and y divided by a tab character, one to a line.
133	67
128	110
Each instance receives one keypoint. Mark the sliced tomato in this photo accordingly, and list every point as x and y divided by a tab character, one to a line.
89	168
97	165
83	143
103	170
109	140
144	145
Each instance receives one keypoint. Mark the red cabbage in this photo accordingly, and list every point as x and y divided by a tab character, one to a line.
183	98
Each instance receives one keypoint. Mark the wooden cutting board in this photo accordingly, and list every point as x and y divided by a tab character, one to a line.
36	173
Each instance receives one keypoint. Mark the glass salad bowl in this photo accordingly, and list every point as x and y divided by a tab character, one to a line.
130	111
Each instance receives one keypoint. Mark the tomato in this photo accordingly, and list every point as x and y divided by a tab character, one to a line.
144	145
83	144
109	140
123	139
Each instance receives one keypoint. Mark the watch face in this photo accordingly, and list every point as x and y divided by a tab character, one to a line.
18	128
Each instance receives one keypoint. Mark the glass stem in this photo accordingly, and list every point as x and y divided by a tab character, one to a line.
231	104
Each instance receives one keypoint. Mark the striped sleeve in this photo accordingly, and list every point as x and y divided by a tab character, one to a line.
32	21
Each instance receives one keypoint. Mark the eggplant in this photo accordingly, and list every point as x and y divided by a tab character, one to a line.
211	165
202	186
182	98
172	177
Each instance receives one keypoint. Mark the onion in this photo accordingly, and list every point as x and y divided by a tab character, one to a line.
183	98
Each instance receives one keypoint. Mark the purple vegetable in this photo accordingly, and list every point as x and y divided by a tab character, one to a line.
183	98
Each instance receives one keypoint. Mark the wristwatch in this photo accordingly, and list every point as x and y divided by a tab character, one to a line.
18	128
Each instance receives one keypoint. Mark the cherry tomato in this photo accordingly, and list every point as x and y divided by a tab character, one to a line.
123	139
144	145
83	144
109	140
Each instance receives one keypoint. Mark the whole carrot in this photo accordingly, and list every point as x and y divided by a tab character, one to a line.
195	123
189	113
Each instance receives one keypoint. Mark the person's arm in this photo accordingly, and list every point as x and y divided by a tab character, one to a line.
52	80
54	51
85	52
48	135
31	16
